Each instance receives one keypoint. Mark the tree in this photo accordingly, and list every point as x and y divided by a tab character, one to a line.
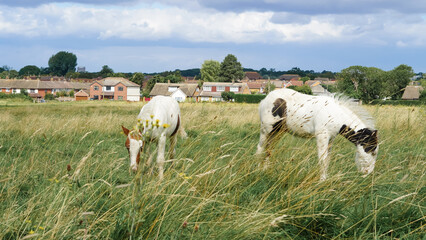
303	89
304	79
360	82
269	87
62	63
29	70
397	80
230	69
210	71
106	71
138	78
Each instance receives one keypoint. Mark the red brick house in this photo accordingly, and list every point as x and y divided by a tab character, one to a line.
115	88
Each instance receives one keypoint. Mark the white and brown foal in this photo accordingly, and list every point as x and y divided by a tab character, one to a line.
322	117
157	121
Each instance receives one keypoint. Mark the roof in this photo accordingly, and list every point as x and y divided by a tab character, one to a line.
19	83
289	76
163	89
253	75
313	83
412	92
82	93
112	81
254	85
38	84
295	83
226	84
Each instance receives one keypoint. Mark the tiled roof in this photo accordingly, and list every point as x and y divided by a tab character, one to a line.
38	84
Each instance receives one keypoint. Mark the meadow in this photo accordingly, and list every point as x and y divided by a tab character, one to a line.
64	174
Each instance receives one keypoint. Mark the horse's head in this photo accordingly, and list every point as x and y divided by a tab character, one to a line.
134	144
367	149
366	142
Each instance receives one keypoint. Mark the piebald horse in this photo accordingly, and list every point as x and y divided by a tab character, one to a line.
158	120
322	117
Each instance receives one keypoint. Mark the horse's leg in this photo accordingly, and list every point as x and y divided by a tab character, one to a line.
160	156
269	137
323	140
262	141
172	149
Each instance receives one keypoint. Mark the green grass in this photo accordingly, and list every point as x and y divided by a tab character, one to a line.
214	189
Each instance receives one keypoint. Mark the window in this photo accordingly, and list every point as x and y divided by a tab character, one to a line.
96	88
7	89
220	88
234	89
205	99
207	89
120	89
32	91
108	88
96	97
120	97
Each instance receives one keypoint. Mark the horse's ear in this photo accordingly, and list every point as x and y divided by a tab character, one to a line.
125	130
374	133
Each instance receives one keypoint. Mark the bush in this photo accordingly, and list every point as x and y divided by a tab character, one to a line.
228	96
398	102
49	96
302	89
249	98
15	96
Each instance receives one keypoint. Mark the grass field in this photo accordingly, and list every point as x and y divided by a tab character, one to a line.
64	174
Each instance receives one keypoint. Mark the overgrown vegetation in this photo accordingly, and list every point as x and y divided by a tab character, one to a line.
65	175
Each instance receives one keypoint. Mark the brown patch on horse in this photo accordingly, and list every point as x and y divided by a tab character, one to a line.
280	108
365	137
177	126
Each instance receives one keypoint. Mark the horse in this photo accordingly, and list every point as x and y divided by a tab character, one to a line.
323	117
158	120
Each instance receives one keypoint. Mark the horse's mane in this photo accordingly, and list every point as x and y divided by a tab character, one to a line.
356	109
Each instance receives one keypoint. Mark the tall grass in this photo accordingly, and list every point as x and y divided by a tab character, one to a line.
215	188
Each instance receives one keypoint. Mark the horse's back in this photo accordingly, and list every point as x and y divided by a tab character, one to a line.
161	111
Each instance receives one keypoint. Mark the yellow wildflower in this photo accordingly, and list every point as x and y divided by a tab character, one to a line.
157	120
41	228
139	120
166	125
31	232
28	221
152	116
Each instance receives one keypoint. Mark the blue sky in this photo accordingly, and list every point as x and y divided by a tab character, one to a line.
153	36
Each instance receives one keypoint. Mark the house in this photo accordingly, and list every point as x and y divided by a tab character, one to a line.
293	82
115	88
37	89
255	87
82	95
179	91
212	91
288	77
252	76
412	93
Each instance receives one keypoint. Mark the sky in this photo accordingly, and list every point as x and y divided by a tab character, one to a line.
154	36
